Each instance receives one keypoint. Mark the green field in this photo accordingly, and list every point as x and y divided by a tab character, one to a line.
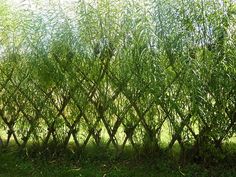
12	165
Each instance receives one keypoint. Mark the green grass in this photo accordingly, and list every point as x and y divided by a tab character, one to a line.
14	165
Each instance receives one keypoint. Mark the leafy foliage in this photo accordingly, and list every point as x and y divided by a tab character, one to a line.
117	73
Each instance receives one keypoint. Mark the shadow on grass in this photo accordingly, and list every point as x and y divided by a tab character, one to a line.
102	162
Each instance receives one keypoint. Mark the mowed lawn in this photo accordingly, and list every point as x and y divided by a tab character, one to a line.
98	164
14	165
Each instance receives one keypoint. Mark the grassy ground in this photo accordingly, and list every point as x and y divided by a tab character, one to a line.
14	165
102	164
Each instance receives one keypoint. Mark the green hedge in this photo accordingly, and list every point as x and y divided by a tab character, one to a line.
119	73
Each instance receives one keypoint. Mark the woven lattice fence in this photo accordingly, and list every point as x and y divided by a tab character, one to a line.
133	88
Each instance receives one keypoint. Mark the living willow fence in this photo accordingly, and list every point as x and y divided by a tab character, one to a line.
119	73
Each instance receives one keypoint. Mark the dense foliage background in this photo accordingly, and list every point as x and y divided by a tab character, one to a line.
139	74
